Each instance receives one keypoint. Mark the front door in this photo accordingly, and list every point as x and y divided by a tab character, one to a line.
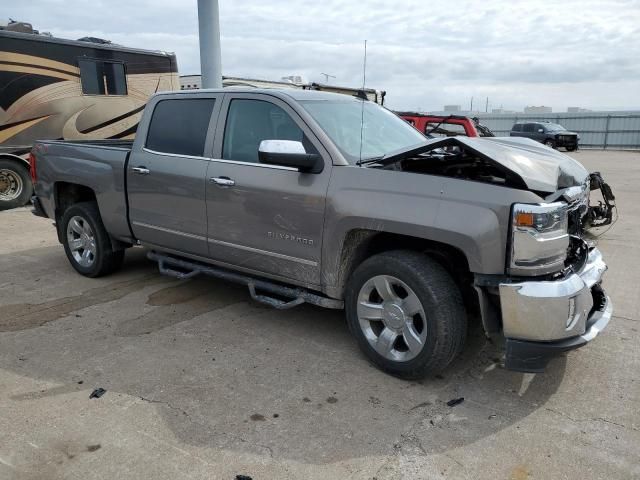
166	176
265	218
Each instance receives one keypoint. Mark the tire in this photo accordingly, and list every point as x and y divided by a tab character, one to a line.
550	143
16	188
91	254
571	148
440	321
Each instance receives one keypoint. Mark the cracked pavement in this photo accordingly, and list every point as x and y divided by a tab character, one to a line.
203	383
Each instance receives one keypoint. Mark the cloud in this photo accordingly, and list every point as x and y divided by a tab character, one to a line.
424	54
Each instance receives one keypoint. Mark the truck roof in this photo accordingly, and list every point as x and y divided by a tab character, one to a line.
296	94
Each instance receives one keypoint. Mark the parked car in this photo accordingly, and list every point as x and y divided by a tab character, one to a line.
316	197
445	125
551	134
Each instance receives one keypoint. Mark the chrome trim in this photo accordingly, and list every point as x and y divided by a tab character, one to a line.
148	150
168	230
541	310
265	252
222	181
252	164
600	321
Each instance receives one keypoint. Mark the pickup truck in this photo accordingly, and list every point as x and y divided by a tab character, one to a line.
321	198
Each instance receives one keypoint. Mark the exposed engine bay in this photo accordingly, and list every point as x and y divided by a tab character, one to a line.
459	162
514	163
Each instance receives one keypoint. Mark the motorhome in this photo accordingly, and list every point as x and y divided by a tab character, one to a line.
53	88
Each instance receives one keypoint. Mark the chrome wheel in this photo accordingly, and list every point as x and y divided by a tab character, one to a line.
392	318
81	241
11	185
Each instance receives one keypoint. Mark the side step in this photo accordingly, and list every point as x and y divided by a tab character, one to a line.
294	296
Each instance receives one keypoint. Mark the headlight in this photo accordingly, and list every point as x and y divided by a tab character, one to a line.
539	238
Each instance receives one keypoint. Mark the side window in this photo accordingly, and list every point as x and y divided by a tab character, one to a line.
180	126
529	127
251	121
517	127
102	77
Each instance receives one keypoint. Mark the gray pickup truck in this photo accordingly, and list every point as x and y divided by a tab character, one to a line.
335	201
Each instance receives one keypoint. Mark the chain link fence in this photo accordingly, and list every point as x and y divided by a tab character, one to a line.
597	130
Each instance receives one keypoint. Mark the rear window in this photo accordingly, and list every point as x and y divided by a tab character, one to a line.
517	127
180	126
437	129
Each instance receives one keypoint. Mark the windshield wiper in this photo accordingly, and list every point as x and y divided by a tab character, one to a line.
366	161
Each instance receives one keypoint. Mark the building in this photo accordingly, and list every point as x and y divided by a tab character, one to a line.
452	108
501	110
577	110
540	109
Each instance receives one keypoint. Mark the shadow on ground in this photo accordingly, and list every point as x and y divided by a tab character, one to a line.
225	372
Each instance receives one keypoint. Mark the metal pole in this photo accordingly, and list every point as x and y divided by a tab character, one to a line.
210	57
606	132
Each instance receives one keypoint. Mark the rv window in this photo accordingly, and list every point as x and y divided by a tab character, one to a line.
180	126
91	77
102	78
116	79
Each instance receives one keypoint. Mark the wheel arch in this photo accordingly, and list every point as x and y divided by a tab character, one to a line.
10	156
360	244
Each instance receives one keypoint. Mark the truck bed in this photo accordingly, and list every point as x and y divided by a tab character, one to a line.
98	164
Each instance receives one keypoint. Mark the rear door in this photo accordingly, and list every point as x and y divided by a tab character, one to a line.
528	130
265	218
166	175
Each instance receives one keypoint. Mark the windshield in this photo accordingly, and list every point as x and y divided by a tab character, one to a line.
553	127
383	131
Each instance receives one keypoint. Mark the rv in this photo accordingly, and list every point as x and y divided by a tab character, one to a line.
52	88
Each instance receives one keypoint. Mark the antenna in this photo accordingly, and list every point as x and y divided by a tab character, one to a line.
364	81
327	76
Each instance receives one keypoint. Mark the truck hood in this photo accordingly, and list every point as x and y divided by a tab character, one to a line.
542	168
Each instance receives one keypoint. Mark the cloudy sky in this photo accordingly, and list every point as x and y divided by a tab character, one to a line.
423	53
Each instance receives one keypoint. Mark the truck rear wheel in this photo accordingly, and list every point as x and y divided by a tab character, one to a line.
86	242
406	313
15	184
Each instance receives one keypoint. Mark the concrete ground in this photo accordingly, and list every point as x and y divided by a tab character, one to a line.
203	383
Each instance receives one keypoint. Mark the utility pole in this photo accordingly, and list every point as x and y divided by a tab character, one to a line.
326	77
486	107
210	56
471	109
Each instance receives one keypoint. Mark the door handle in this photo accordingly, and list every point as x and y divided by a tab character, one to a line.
141	170
223	181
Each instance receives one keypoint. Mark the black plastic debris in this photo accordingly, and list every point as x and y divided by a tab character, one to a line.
243	477
97	393
455	401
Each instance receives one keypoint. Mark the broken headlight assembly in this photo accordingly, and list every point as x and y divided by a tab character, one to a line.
539	238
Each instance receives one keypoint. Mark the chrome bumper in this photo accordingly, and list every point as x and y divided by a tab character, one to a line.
550	311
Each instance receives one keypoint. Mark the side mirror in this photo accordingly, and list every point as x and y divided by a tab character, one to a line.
541	130
289	153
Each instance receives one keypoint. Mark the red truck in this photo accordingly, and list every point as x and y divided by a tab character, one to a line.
446	125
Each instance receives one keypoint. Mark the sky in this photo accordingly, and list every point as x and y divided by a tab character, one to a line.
424	53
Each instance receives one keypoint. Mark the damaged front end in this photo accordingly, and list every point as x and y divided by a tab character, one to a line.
511	162
550	298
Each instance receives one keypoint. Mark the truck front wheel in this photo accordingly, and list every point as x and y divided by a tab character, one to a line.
86	242
406	313
15	184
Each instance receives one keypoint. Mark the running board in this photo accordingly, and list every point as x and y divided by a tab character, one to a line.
185	269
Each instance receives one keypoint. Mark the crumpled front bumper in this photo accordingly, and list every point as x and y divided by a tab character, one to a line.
541	319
